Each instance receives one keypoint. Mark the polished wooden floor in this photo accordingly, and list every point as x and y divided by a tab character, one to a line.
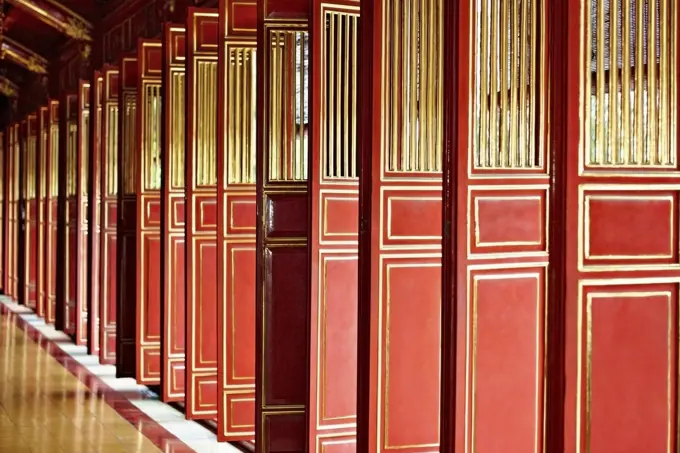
46	409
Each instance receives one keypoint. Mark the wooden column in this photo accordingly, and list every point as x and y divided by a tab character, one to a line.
94	213
236	220
68	154
126	272
81	183
173	276
29	254
400	110
201	213
282	279
4	177
109	216
41	194
52	178
148	202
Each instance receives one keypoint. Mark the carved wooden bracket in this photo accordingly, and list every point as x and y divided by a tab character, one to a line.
23	56
8	88
55	15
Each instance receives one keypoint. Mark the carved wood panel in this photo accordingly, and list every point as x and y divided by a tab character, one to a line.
172	207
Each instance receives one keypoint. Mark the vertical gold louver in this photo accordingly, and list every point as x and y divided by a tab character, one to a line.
339	125
412	79
129	142
42	174
630	83
30	173
151	157
241	119
111	151
71	149
205	165
288	105
509	90
54	155
177	130
85	135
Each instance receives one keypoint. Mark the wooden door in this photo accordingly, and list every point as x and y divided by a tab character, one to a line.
172	207
93	213
236	218
283	274
16	180
201	213
148	228
4	172
70	256
400	199
30	203
41	194
109	216
81	203
11	212
52	177
126	272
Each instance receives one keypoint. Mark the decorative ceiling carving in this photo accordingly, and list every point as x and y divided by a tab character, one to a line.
23	56
57	16
8	88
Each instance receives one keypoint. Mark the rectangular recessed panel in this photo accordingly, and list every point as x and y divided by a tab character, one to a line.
178	212
241	415
339	216
153	212
243	16
410	336
206	215
152	289
505	360
205	314
178	296
206	394
242	217
412	217
151	358
286	215
283	432
337	444
241	315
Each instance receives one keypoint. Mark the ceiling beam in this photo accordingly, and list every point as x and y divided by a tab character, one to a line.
8	88
57	16
11	50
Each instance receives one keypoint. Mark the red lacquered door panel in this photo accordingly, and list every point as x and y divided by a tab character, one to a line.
81	202
70	154
30	254
93	213
109	217
236	221
126	274
201	213
12	156
172	207
41	194
4	172
148	228
52	187
400	185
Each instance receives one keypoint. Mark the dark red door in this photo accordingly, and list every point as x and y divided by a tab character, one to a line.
70	131
41	194
81	202
148	202
52	187
30	254
172	206
93	213
201	213
126	274
236	221
109	216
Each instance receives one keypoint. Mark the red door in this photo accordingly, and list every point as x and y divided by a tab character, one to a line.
400	199
70	131
201	213
236	221
109	216
126	273
81	226
11	211
4	177
172	206
52	188
93	213
30	254
16	181
41	194
148	228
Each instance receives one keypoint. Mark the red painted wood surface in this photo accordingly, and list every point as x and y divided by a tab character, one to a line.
94	213
29	137
41	195
148	229
173	278
201	213
126	273
81	225
400	234
52	188
109	216
236	219
12	213
4	202
69	151
282	278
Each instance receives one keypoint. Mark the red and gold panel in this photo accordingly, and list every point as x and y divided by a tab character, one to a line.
51	193
126	273
13	245
81	224
400	193
148	202
108	162
201	213
69	155
94	212
41	195
282	260
621	188
172	206
236	221
29	256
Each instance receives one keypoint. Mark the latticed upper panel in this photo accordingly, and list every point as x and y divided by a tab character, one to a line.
151	156
205	162
241	117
